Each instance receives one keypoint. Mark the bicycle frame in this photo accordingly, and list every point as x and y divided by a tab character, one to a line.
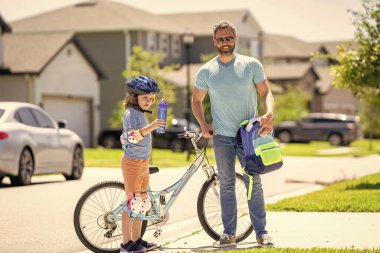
157	212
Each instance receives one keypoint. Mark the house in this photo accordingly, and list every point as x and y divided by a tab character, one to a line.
4	27
288	61
107	31
200	24
51	71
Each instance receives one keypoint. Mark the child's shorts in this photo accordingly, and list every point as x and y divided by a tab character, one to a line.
136	174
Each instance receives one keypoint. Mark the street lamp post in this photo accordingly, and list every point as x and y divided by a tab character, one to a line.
188	40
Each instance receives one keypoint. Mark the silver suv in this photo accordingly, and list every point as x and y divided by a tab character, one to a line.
338	129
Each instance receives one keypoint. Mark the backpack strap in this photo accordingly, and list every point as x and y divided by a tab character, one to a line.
250	187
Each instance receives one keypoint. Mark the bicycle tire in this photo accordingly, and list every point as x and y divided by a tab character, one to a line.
210	214
93	199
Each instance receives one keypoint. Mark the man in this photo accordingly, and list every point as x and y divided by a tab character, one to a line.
232	81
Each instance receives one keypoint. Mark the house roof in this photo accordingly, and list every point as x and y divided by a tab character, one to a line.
281	46
96	16
286	71
201	23
4	26
31	53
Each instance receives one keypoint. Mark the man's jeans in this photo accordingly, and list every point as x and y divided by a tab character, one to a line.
226	149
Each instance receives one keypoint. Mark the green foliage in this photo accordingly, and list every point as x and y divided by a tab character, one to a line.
142	62
206	57
360	195
291	105
358	67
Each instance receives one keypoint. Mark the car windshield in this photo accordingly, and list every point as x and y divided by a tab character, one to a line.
1	112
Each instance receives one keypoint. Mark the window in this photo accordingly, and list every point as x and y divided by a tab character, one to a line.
25	116
163	45
42	119
176	46
1	112
151	42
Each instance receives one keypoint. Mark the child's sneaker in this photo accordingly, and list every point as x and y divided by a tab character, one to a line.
225	241
149	246
132	247
265	240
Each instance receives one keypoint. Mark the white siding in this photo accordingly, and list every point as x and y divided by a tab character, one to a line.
69	75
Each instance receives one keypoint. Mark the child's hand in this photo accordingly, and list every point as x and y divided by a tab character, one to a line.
158	123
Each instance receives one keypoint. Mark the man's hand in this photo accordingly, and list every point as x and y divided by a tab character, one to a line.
208	132
266	124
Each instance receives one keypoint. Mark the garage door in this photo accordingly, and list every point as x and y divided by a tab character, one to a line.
75	111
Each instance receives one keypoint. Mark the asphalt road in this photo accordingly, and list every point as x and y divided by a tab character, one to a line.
39	217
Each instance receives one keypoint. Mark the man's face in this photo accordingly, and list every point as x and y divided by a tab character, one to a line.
224	41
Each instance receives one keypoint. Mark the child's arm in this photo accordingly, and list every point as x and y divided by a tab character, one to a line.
152	126
135	136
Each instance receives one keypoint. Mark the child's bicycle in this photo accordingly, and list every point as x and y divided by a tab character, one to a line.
97	216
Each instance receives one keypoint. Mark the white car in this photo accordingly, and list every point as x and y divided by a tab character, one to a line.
31	143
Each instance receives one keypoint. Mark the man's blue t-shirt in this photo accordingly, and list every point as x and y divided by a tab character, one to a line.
232	91
134	120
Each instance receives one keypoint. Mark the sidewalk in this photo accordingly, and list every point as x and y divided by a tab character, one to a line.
289	229
299	176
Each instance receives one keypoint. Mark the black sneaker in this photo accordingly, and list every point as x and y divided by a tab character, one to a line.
149	246
132	247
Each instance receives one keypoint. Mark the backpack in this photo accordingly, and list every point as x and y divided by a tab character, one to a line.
262	153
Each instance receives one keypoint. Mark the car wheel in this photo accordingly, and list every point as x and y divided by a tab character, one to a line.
335	139
77	167
285	137
110	142
25	169
177	145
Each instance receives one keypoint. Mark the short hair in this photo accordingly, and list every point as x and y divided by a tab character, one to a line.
223	25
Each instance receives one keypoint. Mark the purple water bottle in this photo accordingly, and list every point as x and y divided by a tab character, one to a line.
161	114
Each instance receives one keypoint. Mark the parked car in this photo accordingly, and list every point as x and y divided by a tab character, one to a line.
110	138
338	129
31	143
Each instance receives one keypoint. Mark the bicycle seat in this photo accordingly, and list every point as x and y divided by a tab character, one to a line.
153	169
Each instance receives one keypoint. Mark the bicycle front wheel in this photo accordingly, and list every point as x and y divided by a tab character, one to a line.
92	226
209	209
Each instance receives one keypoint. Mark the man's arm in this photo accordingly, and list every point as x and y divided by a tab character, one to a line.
197	107
266	124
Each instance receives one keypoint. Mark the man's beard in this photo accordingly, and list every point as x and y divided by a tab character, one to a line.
226	52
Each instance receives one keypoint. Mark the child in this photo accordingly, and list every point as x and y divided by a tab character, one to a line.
136	139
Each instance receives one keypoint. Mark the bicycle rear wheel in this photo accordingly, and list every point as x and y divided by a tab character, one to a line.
209	209
90	217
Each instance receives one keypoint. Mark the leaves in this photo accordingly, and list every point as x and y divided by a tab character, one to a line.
142	62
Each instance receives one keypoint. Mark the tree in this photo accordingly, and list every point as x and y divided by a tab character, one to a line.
291	105
358	62
142	62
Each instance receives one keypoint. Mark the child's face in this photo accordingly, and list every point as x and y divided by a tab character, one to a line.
145	101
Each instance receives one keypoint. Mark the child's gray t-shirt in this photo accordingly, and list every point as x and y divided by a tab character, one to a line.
134	120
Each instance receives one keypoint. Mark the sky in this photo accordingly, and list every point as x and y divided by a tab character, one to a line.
309	20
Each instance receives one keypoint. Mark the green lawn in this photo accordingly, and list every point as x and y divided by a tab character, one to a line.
360	195
316	148
164	158
295	250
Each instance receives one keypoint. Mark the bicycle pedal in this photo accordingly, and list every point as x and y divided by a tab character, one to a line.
157	233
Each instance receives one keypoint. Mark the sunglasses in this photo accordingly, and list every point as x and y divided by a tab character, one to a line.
224	39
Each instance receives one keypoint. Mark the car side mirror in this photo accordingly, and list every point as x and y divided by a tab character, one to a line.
62	123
